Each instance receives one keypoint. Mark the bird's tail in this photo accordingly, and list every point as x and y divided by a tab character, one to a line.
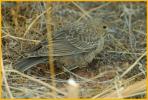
27	63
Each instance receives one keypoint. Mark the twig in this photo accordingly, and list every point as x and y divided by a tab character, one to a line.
36	80
34	21
94	9
73	89
76	75
23	39
133	65
85	12
50	48
132	89
5	81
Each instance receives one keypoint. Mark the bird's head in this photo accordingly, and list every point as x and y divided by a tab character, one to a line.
101	27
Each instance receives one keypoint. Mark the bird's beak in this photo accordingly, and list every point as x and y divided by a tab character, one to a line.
111	30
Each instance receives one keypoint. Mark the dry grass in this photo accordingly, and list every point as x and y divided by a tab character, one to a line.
119	71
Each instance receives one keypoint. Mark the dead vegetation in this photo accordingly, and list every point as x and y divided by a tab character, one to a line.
119	71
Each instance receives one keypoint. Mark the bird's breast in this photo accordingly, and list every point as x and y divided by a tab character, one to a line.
99	46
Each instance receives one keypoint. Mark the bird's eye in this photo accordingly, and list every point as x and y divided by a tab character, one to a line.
104	27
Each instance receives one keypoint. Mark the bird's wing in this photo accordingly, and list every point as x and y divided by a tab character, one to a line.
67	42
61	47
82	40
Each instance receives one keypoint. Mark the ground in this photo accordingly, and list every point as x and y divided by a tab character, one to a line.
119	67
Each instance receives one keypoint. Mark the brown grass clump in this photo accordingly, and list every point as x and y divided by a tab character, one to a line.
119	71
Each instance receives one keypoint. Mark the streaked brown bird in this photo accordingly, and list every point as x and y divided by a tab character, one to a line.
76	44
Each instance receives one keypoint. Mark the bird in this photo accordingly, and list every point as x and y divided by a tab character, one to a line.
75	44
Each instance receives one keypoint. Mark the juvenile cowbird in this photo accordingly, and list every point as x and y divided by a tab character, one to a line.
75	44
